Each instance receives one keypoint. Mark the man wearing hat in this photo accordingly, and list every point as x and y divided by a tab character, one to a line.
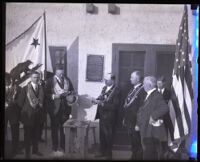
60	95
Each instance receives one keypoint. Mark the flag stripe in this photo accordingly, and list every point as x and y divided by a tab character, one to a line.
180	98
188	79
182	91
173	120
170	126
178	114
189	100
187	117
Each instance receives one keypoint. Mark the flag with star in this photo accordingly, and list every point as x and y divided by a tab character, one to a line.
29	46
182	91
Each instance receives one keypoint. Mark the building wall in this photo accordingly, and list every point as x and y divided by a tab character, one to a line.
95	33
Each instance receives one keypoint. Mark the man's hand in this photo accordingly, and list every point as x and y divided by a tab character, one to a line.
137	128
56	96
123	122
65	94
151	120
6	105
101	103
155	123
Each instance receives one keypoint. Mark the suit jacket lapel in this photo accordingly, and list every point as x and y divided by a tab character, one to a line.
146	102
36	93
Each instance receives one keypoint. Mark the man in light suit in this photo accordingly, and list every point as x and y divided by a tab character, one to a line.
133	101
58	90
150	120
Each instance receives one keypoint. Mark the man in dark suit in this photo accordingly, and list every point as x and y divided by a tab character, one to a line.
31	101
42	111
12	113
132	103
58	90
161	88
150	120
108	101
167	122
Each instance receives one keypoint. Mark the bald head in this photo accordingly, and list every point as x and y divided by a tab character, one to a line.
135	77
109	79
149	83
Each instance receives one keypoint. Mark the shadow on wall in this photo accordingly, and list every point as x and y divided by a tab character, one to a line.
80	112
84	110
84	104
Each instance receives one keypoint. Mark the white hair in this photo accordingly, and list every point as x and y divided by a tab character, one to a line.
151	81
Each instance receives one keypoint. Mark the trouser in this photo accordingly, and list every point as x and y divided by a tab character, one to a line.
151	147
14	134
106	138
135	144
41	127
56	127
163	150
31	137
15	137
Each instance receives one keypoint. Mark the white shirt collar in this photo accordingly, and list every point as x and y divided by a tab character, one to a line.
162	90
33	85
10	86
149	92
57	77
137	85
108	88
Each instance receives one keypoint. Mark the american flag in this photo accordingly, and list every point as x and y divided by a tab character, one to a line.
182	92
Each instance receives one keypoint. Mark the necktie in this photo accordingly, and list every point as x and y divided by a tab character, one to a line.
62	82
36	88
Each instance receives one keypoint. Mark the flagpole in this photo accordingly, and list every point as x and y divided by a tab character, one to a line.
45	67
45	42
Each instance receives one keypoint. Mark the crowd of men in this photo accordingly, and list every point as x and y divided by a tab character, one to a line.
145	108
29	106
145	116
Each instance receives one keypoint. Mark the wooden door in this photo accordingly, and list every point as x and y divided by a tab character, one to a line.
150	59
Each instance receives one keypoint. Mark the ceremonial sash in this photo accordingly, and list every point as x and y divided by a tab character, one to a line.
33	99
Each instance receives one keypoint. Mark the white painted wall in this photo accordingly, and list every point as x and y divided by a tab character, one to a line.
136	23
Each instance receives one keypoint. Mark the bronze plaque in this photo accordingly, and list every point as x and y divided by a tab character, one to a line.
95	66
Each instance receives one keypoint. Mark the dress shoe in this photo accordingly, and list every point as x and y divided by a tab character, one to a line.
28	156
13	154
19	152
41	140
54	154
99	155
60	153
38	153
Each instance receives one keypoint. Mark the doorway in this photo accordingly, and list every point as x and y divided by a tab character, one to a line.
150	59
58	57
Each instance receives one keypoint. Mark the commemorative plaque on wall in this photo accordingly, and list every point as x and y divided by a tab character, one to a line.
95	67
